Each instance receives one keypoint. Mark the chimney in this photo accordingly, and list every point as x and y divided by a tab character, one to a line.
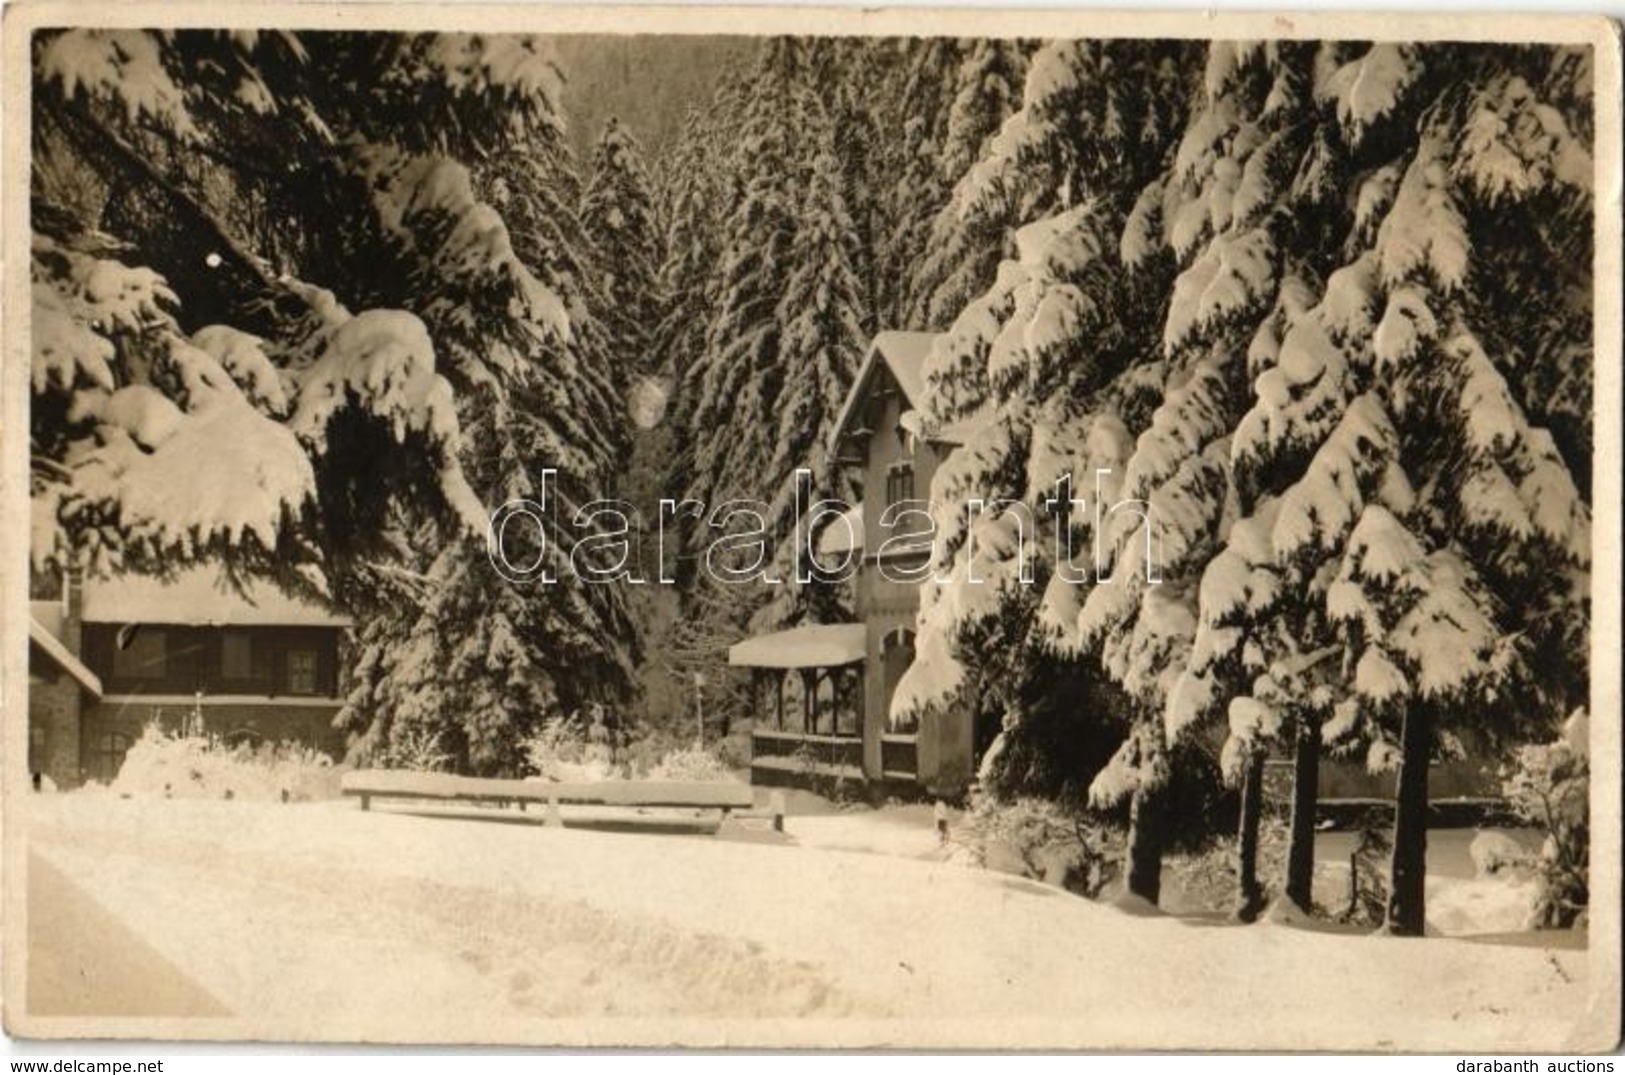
73	610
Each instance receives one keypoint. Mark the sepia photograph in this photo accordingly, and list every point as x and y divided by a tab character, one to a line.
823	529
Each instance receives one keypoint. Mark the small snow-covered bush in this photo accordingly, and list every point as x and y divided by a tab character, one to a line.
1040	839
415	748
1495	853
694	763
565	748
561	740
198	767
1550	787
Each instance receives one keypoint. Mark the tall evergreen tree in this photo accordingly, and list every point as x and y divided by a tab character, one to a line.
1045	363
1337	562
969	232
618	213
918	100
198	392
462	656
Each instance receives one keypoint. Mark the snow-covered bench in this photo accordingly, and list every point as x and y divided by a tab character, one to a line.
730	797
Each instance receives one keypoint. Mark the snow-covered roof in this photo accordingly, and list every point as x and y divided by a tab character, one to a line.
836	539
904	355
199	597
53	648
819	645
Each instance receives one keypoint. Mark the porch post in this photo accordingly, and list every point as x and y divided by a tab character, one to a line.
809	701
872	692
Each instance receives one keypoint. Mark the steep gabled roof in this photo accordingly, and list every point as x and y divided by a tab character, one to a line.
903	354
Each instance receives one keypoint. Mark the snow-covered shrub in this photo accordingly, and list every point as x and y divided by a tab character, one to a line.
566	748
160	764
693	763
1040	839
733	749
560	740
1496	853
415	748
1550	787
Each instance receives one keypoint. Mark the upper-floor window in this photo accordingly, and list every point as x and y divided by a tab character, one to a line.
301	671
140	653
899	483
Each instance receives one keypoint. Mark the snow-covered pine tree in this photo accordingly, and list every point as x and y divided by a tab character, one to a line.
1479	596
697	192
1043	364
194	396
1391	571
918	99
970	231
619	215
1273	186
461	655
694	193
850	77
462	369
729	387
820	349
732	383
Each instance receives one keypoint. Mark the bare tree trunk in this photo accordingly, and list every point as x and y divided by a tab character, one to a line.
1300	854
1407	884
1251	895
1145	840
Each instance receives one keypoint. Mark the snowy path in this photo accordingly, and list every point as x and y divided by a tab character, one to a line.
321	919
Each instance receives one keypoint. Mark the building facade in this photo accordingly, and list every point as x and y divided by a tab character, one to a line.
824	691
111	656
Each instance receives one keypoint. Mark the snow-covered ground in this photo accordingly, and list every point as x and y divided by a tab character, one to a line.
318	920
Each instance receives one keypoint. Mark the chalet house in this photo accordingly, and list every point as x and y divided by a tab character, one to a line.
823	691
110	656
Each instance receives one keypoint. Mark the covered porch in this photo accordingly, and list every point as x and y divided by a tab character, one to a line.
807	686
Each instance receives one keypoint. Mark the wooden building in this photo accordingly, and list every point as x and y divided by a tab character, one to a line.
110	656
824	690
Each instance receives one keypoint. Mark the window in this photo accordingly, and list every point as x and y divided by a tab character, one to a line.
107	755
236	655
36	747
301	671
139	653
899	483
